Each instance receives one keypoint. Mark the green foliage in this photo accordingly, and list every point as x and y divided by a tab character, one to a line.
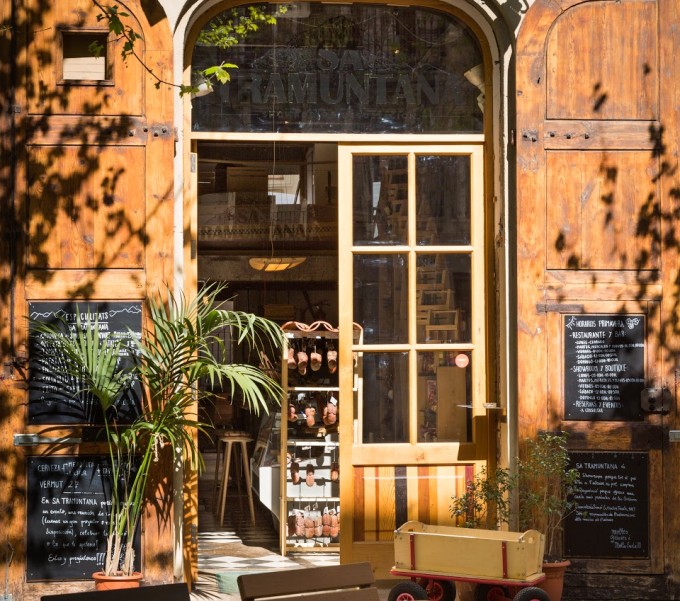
485	503
174	355
546	486
229	28
222	32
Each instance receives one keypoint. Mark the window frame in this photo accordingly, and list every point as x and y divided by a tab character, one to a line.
108	59
394	453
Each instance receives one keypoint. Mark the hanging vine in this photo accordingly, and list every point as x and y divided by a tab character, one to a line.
222	32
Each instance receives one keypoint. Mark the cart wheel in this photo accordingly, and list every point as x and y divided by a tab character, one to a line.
407	591
532	593
438	590
491	592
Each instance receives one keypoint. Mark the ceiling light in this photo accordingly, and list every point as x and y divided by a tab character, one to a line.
275	263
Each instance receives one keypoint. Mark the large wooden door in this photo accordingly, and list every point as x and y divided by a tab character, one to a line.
597	201
90	211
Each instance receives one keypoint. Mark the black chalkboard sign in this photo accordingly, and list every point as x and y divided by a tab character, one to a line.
604	366
52	397
67	516
612	515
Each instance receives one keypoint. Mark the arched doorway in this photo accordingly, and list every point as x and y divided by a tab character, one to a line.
361	139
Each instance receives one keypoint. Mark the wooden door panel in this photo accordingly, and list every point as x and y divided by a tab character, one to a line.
92	222
596	212
86	207
617	77
602	210
385	497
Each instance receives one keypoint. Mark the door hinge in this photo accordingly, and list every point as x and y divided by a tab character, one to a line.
162	131
193	162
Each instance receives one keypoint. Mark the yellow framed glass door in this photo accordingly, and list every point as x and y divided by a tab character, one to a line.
412	276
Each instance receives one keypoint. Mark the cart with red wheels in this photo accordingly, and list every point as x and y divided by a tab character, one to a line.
504	566
442	587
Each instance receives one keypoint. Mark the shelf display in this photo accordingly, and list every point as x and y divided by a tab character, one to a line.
310	443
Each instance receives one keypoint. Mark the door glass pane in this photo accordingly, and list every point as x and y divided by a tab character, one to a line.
444	298
445	396
380	190
344	68
385	398
380	298
443	200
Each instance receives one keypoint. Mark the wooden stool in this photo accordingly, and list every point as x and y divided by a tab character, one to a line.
229	441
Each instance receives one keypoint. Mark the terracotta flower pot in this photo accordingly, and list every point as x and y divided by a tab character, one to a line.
102	582
554	578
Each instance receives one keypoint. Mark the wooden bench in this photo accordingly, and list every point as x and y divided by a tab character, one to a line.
350	582
161	592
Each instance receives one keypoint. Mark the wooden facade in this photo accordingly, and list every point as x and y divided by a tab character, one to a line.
86	202
597	181
88	213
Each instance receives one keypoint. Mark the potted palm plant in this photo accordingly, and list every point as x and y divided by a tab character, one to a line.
546	485
175	352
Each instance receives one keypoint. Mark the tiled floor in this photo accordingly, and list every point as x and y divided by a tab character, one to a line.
237	545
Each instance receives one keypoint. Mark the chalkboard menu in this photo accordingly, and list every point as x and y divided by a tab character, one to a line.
612	515
53	397
604	366
67	516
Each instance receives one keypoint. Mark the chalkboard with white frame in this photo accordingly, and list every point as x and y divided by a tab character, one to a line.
604	366
68	502
53	393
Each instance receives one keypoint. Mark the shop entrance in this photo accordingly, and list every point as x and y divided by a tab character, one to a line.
267	227
402	292
342	176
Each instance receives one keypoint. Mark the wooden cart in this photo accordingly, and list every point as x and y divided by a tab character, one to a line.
505	566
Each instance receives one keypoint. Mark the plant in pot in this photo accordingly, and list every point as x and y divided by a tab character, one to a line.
484	504
176	351
486	500
546	486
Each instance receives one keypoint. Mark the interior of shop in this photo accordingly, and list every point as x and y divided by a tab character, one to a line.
268	228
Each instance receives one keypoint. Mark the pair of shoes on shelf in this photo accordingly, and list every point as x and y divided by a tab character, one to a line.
302	360
292	365
332	359
315	360
300	364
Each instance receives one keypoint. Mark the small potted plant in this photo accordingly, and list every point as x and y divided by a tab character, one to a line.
485	502
175	352
545	487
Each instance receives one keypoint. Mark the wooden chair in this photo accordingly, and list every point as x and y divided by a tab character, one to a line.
349	582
